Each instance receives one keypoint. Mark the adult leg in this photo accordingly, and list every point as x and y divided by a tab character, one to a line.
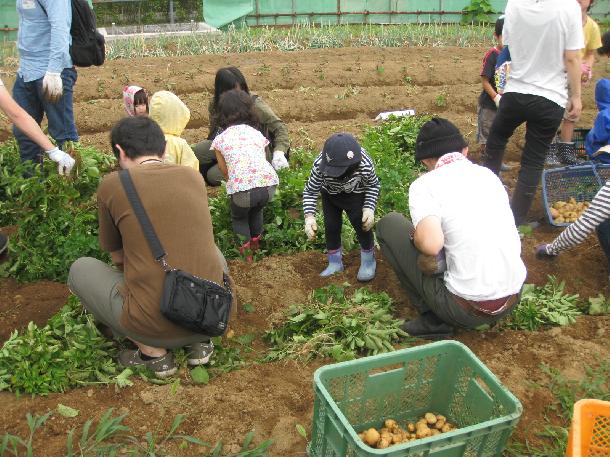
61	114
542	120
208	166
508	117
603	234
26	96
96	284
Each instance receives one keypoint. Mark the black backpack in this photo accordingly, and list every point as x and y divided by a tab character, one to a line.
87	46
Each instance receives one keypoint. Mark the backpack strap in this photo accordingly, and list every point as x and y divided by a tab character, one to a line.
149	232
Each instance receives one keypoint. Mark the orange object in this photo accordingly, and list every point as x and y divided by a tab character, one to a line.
590	431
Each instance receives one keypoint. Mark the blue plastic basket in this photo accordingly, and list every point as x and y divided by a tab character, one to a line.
580	182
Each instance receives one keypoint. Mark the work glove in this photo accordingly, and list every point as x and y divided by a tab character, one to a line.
279	160
52	86
542	252
64	161
368	219
310	226
497	99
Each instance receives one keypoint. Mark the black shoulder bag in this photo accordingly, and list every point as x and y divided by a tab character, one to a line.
194	303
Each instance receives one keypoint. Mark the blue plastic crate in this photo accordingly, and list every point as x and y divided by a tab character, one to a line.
580	182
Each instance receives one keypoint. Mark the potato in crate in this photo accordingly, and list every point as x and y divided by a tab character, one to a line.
442	381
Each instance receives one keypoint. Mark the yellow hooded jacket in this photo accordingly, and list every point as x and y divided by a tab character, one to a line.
172	115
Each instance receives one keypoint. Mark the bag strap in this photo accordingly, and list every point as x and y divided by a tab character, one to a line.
149	232
43	10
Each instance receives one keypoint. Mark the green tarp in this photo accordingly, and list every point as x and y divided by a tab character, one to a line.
223	12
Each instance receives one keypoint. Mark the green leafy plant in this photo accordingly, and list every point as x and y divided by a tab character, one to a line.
478	11
544	306
69	351
257	451
56	215
599	305
333	325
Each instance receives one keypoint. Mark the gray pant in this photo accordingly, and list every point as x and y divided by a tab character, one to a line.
426	293
96	284
207	163
247	211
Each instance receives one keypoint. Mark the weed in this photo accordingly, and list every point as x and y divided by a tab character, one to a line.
544	306
349	91
441	100
379	69
478	11
332	325
552	440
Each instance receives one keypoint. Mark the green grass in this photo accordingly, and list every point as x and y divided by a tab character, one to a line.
551	440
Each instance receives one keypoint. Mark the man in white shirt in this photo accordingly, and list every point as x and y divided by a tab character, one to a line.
545	38
461	216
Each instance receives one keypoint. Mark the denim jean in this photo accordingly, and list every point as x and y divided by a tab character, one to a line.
542	118
60	115
603	234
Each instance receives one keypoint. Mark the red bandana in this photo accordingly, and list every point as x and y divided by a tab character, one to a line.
451	157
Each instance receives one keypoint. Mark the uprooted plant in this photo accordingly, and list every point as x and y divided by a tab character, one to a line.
333	325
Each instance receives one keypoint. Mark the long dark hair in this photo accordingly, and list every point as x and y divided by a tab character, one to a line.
228	78
236	107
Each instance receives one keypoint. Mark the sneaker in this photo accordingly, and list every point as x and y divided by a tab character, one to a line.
551	158
429	327
199	353
162	367
3	243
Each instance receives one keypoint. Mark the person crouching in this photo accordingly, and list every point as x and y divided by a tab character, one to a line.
345	176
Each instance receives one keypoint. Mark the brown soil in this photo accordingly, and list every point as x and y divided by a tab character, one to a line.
316	92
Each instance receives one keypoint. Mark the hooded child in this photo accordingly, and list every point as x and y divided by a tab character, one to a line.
172	115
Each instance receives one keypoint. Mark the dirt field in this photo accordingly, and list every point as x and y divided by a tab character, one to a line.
316	93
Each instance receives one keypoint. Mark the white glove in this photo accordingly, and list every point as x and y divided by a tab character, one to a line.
279	160
310	227
368	219
52	86
64	161
497	99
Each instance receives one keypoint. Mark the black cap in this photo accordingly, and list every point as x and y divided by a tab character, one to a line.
436	137
340	151
605	49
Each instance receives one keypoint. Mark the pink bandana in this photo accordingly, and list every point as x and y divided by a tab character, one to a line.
451	157
128	94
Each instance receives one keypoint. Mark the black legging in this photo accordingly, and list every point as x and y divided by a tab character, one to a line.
333	206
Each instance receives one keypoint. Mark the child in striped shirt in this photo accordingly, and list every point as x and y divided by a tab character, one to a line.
595	218
345	176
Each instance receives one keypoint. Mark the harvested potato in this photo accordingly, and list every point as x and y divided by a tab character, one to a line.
384	443
554	213
446	428
391	424
371	437
411	427
439	423
434	432
430	418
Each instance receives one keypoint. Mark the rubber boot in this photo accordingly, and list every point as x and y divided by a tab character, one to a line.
255	243
368	265
245	251
335	263
566	153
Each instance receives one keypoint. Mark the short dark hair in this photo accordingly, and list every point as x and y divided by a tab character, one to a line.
236	107
138	136
228	78
499	26
140	98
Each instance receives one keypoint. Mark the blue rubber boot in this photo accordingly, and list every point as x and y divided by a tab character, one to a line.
335	264
366	272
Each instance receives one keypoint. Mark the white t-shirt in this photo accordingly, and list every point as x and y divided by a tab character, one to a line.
537	32
482	245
